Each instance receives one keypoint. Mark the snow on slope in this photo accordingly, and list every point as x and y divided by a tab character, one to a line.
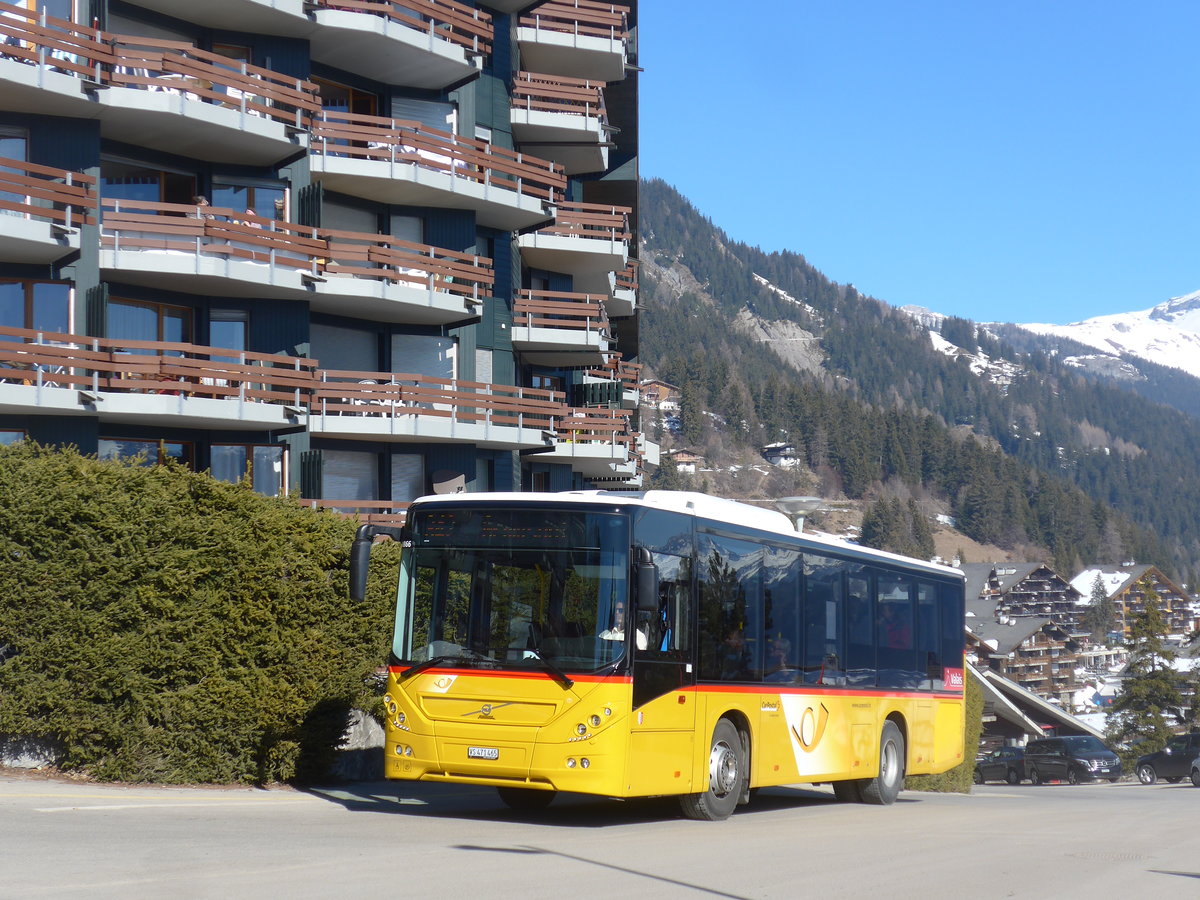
1167	334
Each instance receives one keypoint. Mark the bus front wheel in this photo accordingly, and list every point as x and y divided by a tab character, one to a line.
885	787
726	777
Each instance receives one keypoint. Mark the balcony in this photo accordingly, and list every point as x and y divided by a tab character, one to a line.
398	161
579	38
420	43
368	512
598	444
587	240
150	382
387	406
225	252
552	328
563	119
623	375
41	210
165	95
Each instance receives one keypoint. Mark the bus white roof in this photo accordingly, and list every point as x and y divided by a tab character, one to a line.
732	512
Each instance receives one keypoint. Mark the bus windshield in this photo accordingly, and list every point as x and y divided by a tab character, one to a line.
496	587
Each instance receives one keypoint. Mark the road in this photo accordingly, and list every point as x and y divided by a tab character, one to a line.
64	839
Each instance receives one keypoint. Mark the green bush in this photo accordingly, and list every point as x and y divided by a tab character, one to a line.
959	779
168	627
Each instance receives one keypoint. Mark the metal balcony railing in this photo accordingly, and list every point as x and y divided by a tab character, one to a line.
458	23
47	194
337	133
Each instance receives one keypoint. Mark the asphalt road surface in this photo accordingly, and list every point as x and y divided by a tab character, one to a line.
398	840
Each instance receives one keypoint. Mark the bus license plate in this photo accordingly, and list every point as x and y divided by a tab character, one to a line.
483	753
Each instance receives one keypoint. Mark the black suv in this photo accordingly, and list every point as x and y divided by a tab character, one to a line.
1172	763
1005	764
1073	759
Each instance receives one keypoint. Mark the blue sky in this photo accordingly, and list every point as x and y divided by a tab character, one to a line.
1015	161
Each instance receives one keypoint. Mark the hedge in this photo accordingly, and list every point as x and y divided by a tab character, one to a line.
163	626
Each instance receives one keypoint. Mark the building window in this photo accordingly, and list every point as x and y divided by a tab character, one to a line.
40	305
268	201
263	464
120	180
154	452
10	436
548	382
139	321
343	98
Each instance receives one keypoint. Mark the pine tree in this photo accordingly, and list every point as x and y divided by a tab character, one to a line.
1151	704
1101	611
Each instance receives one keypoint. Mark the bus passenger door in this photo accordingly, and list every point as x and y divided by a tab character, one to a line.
664	706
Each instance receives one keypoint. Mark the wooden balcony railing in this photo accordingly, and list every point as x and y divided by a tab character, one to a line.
558	309
151	64
598	426
338	133
582	17
352	393
616	369
176	67
368	512
590	220
419	265
627	280
559	94
458	23
32	37
229	233
152	367
47	194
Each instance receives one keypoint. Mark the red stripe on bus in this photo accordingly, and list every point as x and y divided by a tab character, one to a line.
499	673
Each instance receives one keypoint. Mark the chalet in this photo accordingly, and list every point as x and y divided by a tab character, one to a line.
1025	589
781	454
1128	585
685	460
1036	653
660	394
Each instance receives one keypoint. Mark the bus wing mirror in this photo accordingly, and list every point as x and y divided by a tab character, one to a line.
647	582
360	555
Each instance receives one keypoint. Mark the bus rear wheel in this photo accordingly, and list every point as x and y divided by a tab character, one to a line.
726	777
524	799
884	788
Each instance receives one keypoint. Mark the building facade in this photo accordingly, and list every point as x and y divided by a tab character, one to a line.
361	251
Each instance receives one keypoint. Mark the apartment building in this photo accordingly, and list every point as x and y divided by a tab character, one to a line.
359	250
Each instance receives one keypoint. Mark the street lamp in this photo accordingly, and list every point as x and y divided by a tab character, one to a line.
796	508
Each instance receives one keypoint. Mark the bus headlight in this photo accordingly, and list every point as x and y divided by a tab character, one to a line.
581	729
595	720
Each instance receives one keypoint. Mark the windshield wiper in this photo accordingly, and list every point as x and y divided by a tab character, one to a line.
436	660
555	672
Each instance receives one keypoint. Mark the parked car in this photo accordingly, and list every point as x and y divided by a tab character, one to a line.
1005	764
1073	759
1172	763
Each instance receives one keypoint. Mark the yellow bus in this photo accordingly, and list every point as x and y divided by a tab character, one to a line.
662	643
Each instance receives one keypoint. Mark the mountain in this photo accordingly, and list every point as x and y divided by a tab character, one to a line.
991	426
1167	334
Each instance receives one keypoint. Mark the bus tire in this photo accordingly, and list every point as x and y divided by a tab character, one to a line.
847	791
726	777
524	799
884	788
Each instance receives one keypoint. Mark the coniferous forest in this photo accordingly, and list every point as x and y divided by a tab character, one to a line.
1086	467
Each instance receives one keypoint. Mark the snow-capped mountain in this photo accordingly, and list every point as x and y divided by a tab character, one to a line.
1167	334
